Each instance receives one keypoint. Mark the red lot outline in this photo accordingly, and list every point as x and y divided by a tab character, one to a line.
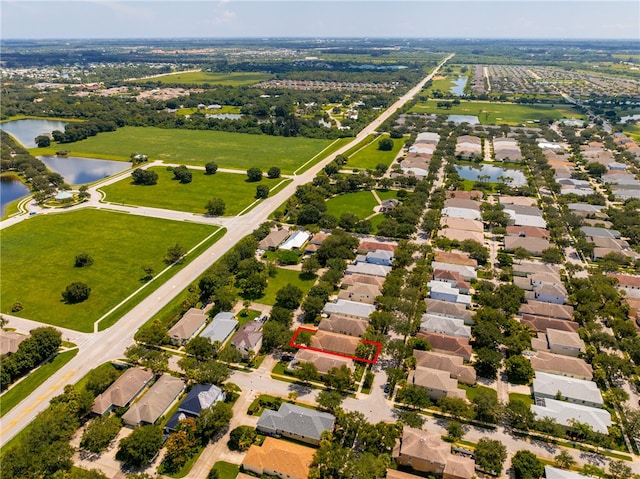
355	358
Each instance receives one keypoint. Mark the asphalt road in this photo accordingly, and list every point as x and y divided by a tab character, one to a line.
107	345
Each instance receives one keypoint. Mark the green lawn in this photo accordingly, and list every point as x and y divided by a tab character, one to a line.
387	194
200	78
522	397
633	131
224	109
490	113
280	280
25	387
234	188
197	147
38	261
369	157
360	204
473	391
226	470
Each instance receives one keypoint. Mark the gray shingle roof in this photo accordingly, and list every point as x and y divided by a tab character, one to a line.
296	420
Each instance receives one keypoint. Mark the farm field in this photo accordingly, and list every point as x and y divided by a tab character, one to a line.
280	280
370	156
360	204
119	244
233	188
197	147
492	113
200	78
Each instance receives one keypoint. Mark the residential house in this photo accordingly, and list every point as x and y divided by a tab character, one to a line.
526	268
273	239
548	293
352	309
461	235
445	292
279	458
361	293
564	342
459	208
427	452
467	272
185	329
450	257
551	472
395	474
372	246
577	391
355	279
532	245
380	256
520	215
565	413
540	324
454	365
344	325
461	224
333	342
155	402
296	422
123	390
451	310
222	326
10	340
443	343
528	232
201	396
547	310
368	268
296	240
547	362
453	278
443	325
248	338
322	361
594	232
438	383
517	200
389	205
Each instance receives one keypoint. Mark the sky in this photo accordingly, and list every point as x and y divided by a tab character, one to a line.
529	19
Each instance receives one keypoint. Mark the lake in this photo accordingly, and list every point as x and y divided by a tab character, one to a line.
458	86
79	171
25	131
11	188
469	172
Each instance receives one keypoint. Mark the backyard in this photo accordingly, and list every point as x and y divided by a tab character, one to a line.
38	258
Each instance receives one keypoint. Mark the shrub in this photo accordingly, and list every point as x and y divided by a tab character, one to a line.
76	292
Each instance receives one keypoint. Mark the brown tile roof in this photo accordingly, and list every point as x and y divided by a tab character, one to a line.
283	458
445	308
626	280
337	343
10	340
528	231
372	246
155	401
548	310
558	364
541	324
424	445
461	235
248	336
531	244
448	344
459	203
460	467
123	390
274	238
323	361
362	279
436	379
446	362
461	224
465	195
188	324
455	258
344	325
319	238
395	474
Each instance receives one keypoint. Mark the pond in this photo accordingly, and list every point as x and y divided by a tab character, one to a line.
493	174
11	188
25	131
458	86
79	171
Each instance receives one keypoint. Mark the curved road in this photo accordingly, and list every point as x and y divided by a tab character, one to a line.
107	345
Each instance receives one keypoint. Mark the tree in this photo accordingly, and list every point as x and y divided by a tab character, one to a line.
488	362
99	433
339	378
564	460
180	446
241	438
619	470
519	414
312	306
213	420
306	372
174	254
490	455
519	370
273	172
310	266
289	297
43	141
201	348
140	446
144	177
215	207
211	168
149	271
411	419
182	174
454	431
254	174
262	192
329	400
487	407
100	379
552	255
76	292
386	144
456	407
526	465
82	260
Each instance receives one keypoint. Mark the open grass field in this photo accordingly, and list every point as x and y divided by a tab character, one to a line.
197	147
226	470
280	280
17	393
388	194
368	157
38	261
490	113
200	78
360	204
192	197
633	131
224	109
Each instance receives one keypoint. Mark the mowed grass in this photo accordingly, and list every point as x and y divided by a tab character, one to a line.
200	78
360	204
38	261
490	113
198	147
280	280
226	470
233	188
633	131
370	156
